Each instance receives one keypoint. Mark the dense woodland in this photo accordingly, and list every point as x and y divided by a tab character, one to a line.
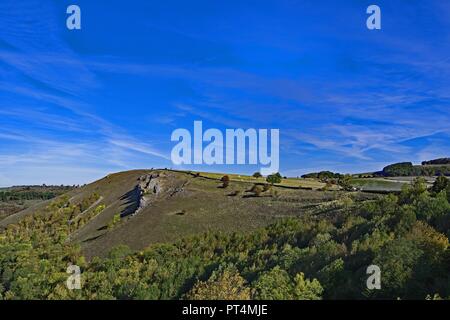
436	161
320	256
407	169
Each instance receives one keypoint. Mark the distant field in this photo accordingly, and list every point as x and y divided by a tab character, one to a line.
18	198
387	183
378	184
289	182
429	180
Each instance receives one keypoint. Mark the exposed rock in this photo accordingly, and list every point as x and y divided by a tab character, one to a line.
155	185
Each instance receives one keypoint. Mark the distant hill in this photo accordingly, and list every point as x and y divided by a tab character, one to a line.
436	161
322	175
438	167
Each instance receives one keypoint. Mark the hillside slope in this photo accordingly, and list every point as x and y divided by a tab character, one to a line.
163	206
322	251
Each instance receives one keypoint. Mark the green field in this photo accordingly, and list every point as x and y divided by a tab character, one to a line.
377	184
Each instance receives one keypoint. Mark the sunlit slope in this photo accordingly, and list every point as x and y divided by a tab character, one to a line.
140	207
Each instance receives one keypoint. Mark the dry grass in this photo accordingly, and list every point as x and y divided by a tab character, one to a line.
201	205
289	182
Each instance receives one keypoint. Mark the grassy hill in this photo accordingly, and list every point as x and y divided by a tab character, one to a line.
427	168
184	204
160	234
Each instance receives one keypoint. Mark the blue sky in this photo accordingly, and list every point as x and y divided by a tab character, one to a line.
76	105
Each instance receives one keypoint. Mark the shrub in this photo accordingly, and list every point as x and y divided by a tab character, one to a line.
99	209
275	193
225	181
346	183
222	285
115	220
327	186
274	178
441	183
276	284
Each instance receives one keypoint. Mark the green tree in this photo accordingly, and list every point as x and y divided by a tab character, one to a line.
225	181
114	221
441	183
225	284
397	261
257	175
274	178
276	284
346	182
305	289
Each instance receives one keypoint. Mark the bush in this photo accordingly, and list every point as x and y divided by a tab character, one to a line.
276	284
222	285
274	178
328	186
115	220
257	175
225	181
345	183
441	183
99	209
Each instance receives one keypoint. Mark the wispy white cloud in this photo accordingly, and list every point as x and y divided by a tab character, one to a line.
400	95
139	147
46	84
